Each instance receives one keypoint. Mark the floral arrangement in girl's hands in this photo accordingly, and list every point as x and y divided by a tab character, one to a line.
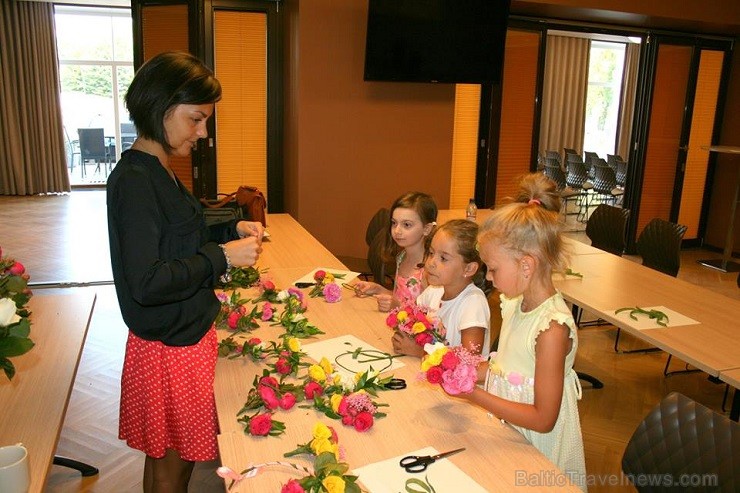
326	287
454	368
15	325
327	476
414	320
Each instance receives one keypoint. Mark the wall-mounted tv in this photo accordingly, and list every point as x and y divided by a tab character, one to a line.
454	41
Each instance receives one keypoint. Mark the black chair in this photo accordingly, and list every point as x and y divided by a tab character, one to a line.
611	160
682	440
93	148
128	135
376	225
621	173
659	245
567	194
577	179
605	184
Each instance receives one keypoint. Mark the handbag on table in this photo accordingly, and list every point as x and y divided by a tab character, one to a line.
246	203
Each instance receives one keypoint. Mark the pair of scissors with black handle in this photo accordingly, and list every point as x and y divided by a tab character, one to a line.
419	463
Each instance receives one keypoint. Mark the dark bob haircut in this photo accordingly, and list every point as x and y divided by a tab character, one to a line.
165	81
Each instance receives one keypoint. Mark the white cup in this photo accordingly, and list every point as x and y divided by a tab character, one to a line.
14	475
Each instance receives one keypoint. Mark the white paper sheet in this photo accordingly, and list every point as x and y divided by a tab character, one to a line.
388	476
348	275
334	347
643	322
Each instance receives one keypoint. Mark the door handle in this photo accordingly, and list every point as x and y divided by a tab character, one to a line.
684	148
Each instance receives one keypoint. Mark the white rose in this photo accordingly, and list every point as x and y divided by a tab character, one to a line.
7	312
283	295
298	317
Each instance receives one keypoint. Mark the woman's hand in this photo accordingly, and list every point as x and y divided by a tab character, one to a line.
249	228
244	252
404	343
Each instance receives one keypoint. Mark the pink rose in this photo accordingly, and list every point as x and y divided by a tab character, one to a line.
254	341
424	338
343	406
434	374
296	293
363	421
287	401
269	381
268	397
268	285
334	436
450	360
319	275
515	378
267	311
260	425
461	380
17	269
282	366
348	420
312	390
233	319
292	486
332	292
392	319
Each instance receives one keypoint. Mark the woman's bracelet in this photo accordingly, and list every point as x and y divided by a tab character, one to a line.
226	276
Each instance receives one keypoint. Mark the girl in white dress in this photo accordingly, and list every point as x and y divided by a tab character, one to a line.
530	381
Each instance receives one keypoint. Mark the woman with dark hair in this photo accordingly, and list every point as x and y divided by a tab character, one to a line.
165	265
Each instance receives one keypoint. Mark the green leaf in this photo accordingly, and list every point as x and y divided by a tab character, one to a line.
15	346
20	329
7	367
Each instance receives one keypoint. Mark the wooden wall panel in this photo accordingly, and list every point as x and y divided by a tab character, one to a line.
241	117
165	28
464	144
702	124
664	135
517	110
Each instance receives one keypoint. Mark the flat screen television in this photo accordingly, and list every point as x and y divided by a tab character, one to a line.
454	41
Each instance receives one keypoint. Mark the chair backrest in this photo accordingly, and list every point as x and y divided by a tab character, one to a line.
605	180
92	144
567	151
553	155
590	157
577	174
381	270
659	244
611	159
606	228
621	172
555	174
574	158
679	439
380	220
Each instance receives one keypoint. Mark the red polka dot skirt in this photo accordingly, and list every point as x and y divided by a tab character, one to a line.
167	399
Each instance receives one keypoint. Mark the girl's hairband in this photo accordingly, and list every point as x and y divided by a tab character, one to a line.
534	201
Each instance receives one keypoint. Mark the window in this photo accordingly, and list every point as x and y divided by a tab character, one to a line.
606	63
95	49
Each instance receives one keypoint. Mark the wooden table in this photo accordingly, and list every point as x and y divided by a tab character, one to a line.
35	401
420	415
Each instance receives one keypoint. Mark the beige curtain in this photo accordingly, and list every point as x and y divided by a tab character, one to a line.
627	99
32	157
564	93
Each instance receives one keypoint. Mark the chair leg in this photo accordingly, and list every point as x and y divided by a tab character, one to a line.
595	382
85	469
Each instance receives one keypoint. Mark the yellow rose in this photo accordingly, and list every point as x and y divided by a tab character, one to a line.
337	379
320	430
328	369
316	373
333	484
320	445
402	315
418	328
434	359
336	399
329	278
294	344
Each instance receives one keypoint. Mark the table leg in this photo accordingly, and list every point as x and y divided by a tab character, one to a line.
85	469
735	410
725	264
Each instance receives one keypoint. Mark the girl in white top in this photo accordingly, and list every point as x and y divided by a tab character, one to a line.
452	266
530	381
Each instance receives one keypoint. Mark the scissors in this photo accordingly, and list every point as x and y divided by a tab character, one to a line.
416	463
358	293
396	384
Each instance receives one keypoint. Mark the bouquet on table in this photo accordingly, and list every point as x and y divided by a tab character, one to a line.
240	277
326	287
454	368
234	315
327	475
15	326
415	321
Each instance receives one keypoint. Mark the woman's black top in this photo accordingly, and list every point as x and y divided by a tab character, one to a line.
165	260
